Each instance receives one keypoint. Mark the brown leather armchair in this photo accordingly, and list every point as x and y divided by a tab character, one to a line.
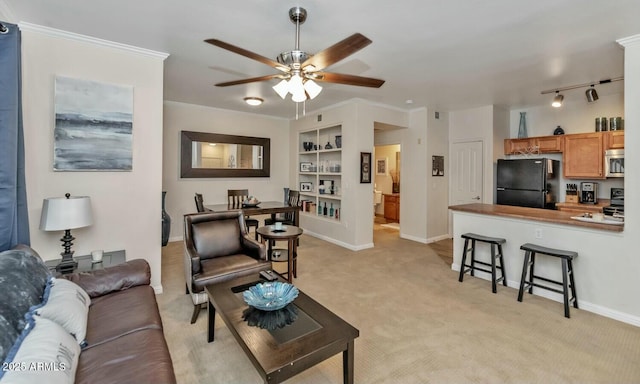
217	248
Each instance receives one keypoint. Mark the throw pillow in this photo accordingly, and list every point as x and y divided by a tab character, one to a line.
68	305
44	353
23	277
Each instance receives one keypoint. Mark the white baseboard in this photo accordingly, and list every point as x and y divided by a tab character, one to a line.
413	238
438	238
584	305
339	243
157	289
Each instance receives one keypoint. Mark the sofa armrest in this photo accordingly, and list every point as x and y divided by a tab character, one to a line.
253	248
118	277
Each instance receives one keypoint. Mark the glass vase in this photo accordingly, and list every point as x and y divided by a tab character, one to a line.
522	129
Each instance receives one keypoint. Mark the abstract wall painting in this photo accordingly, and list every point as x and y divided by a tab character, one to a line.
93	126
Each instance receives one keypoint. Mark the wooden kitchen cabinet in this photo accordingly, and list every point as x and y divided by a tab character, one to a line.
583	156
614	140
550	144
540	144
392	207
516	146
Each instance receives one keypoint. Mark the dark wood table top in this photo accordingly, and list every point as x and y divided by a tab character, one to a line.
264	207
285	352
287	231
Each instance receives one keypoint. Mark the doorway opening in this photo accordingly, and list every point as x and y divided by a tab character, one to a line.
386	189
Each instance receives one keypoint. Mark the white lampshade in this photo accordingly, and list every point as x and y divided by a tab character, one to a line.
312	88
295	84
282	88
61	213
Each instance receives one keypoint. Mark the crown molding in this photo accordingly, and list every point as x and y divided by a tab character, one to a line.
24	26
629	41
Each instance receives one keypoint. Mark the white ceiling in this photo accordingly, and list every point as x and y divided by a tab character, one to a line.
445	55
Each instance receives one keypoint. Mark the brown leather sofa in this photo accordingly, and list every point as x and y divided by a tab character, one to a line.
125	341
217	248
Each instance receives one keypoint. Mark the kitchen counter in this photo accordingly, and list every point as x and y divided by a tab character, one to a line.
534	214
582	208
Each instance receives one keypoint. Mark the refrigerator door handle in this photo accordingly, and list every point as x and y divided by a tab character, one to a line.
500	189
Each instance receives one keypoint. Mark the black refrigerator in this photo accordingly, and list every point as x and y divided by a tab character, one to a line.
527	182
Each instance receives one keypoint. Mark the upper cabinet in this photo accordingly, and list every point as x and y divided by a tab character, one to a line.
614	140
541	144
583	156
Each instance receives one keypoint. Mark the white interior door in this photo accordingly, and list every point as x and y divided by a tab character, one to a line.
466	172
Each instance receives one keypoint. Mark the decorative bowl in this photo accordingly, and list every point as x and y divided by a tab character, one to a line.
250	204
270	296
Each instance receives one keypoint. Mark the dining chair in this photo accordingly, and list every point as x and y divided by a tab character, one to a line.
200	204
236	197
287	218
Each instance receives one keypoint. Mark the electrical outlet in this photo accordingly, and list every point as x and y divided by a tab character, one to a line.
538	233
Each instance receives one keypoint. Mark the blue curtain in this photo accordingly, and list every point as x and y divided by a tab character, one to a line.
14	220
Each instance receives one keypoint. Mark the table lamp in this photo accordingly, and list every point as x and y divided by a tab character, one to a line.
64	214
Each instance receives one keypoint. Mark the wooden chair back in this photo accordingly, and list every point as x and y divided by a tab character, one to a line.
199	202
294	201
236	197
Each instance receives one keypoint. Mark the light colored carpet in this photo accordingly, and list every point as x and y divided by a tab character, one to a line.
417	324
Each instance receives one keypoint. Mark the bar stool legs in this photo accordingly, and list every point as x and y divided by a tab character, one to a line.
568	282
496	255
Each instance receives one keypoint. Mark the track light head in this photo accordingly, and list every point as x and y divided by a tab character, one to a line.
591	94
557	100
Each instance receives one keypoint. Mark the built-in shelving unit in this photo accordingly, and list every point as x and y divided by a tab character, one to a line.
320	172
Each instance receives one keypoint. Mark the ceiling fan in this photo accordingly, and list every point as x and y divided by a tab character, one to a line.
299	69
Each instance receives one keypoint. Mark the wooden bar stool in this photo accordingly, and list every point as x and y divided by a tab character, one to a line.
496	253
567	273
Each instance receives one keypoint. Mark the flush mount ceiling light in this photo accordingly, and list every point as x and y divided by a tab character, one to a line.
591	93
557	100
253	101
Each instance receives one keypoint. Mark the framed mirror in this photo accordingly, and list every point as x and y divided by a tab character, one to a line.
206	155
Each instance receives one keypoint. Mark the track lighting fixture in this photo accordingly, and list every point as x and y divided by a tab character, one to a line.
557	100
591	93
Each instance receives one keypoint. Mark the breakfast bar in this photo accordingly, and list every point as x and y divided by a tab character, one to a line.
596	243
536	214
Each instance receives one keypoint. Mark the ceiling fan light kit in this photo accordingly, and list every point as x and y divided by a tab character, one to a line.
300	70
591	93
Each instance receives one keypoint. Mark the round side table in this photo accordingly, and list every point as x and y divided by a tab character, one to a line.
290	233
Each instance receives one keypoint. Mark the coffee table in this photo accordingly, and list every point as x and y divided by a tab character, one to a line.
314	336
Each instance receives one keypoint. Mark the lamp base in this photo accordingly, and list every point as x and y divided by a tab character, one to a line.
67	264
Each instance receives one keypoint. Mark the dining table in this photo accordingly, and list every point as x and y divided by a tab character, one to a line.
262	208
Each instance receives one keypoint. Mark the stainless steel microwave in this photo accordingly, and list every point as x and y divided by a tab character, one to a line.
614	163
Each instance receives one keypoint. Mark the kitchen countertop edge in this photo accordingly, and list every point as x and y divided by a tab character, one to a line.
535	214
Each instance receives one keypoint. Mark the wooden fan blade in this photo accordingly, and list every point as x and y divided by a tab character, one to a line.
337	52
251	80
249	54
347	79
